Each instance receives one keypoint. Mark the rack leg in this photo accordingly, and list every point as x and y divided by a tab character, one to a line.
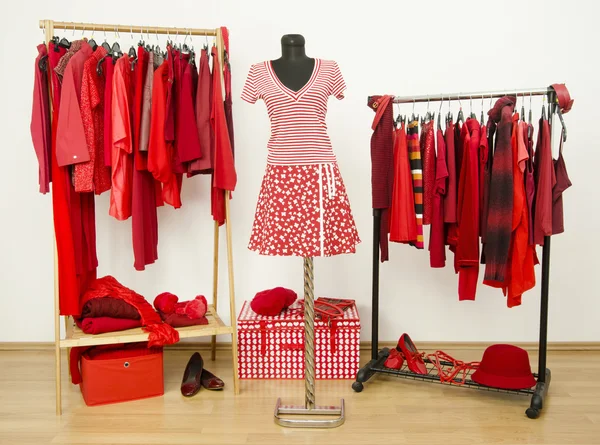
544	310
57	336
377	357
232	314
213	340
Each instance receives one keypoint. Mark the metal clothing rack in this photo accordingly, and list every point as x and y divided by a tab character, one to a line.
74	336
378	357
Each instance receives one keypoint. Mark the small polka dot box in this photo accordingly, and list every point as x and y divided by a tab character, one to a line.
273	347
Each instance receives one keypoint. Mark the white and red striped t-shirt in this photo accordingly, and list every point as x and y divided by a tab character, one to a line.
298	128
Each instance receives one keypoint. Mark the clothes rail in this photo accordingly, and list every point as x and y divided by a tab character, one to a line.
74	336
130	28
378	357
467	96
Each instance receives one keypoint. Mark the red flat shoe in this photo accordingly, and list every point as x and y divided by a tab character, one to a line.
394	360
413	357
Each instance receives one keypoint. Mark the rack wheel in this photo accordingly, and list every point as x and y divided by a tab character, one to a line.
357	386
532	413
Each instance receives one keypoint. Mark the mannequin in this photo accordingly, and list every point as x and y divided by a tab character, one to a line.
294	68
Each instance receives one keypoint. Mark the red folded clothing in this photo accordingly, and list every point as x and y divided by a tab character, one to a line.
180	321
109	307
109	352
101	325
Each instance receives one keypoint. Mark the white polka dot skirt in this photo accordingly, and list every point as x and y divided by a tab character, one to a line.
303	210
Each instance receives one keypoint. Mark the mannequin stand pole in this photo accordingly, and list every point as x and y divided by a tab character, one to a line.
309	408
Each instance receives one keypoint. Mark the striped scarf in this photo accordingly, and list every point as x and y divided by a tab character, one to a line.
414	153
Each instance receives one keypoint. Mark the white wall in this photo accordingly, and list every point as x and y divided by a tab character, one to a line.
381	47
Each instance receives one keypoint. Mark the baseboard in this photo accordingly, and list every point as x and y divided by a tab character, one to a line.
366	345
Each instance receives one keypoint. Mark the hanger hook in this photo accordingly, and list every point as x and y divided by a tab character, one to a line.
459	101
73	29
530	100
413	106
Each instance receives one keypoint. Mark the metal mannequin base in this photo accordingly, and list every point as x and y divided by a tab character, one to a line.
313	422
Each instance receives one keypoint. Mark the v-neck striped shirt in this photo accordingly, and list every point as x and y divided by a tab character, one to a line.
298	129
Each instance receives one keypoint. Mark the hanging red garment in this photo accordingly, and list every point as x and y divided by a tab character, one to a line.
545	180
427	144
160	150
108	67
483	159
500	206
71	145
403	219
521	275
530	180
204	165
93	176
450	198
122	149
382	154
562	183
228	105
224	176
41	133
437	238
141	68
67	277
487	175
186	132
467	249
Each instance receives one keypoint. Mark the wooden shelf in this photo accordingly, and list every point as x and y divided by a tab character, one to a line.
77	337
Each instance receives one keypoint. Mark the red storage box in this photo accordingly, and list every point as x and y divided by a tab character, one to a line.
128	372
273	347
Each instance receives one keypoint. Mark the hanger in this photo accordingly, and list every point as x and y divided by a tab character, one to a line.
414	118
64	43
105	44
428	116
115	50
471	114
439	123
482	119
91	41
544	108
460	117
132	52
523	108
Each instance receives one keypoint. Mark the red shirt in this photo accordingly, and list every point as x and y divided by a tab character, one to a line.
160	151
224	175
93	176
122	148
71	145
203	108
40	121
437	238
108	68
545	180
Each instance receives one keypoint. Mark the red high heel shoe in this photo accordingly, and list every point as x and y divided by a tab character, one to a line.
394	360
414	359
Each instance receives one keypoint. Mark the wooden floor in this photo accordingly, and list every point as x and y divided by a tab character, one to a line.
388	411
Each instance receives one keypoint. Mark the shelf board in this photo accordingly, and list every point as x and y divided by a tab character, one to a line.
77	337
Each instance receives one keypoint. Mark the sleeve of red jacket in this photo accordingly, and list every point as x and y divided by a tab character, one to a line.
40	127
71	145
225	176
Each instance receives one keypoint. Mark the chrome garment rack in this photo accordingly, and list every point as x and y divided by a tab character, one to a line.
74	336
378	357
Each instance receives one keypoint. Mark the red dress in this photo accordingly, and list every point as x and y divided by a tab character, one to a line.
437	238
302	209
467	249
403	219
428	159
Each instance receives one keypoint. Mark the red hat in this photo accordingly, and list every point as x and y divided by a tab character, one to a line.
506	367
272	301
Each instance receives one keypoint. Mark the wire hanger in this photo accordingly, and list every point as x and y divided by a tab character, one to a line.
482	116
116	48
460	117
439	123
471	114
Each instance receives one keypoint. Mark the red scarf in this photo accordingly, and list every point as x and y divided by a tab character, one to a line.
159	333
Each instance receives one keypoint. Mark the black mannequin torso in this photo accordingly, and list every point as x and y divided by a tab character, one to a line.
294	68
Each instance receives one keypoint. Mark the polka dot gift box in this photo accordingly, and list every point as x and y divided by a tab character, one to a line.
273	347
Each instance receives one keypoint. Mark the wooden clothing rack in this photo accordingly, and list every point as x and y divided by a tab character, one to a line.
74	336
375	365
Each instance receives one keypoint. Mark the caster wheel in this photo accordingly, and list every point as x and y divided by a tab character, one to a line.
357	386
532	413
